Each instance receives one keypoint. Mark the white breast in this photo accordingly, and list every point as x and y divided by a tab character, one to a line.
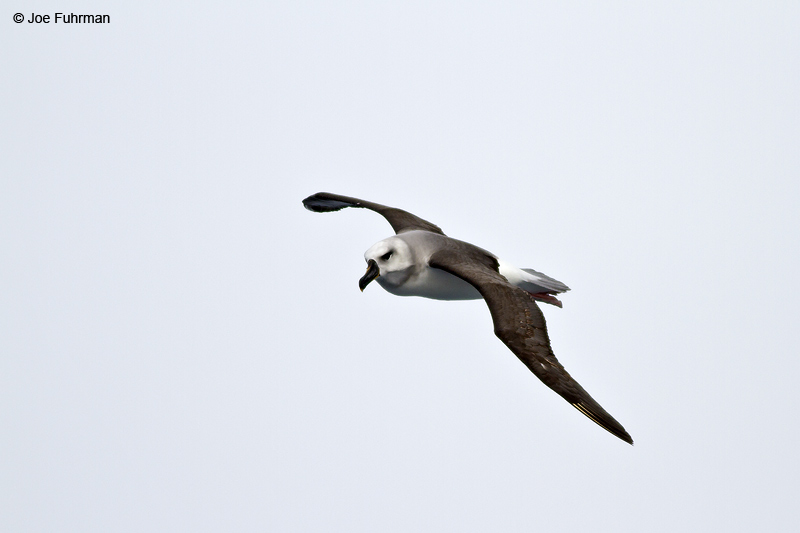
435	284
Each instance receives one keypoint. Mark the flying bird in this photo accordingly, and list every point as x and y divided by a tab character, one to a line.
420	260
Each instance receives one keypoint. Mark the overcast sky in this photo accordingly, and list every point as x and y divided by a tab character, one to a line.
183	347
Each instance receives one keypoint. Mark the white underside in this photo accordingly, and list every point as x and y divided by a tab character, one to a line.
435	284
440	285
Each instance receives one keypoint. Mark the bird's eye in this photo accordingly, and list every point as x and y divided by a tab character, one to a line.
386	256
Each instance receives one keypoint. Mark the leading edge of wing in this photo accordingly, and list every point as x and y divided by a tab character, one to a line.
401	221
520	324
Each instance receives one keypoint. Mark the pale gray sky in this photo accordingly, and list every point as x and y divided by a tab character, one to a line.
184	347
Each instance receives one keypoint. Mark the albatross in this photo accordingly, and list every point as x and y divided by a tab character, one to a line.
420	260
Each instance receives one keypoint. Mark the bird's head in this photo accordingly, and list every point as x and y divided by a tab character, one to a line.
391	261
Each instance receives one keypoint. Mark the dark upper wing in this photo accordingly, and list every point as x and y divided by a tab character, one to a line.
520	324
401	221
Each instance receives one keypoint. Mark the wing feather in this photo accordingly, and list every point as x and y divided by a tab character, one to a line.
401	221
520	324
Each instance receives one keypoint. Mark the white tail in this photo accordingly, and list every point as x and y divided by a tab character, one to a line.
541	286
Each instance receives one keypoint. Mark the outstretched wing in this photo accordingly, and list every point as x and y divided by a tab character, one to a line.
520	324
401	221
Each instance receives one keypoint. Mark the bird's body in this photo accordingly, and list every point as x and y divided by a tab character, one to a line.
420	260
416	278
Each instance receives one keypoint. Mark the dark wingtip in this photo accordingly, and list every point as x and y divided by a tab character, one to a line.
624	436
323	203
600	417
619	433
